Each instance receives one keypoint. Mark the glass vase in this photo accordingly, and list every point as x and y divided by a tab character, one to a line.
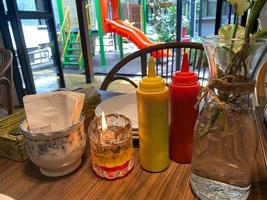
225	138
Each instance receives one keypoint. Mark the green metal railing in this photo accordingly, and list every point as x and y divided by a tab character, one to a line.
65	37
144	15
65	32
65	46
65	25
100	32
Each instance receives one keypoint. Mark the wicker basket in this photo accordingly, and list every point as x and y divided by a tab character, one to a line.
11	141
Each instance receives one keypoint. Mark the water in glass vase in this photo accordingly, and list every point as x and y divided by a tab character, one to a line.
217	190
224	151
225	136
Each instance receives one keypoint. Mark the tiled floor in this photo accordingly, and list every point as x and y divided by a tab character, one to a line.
75	81
46	80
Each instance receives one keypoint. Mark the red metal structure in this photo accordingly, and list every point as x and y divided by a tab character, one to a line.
121	28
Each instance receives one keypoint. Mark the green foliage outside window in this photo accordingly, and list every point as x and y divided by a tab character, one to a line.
164	19
165	24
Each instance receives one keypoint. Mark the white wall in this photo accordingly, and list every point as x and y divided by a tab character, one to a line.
263	16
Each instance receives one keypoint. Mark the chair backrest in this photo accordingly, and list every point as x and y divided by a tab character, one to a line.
165	65
6	80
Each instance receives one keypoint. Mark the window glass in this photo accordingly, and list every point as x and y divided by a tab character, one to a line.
30	5
40	53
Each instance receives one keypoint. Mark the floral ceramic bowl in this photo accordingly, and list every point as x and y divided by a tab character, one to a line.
57	153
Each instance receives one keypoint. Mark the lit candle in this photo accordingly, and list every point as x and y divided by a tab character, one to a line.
104	122
107	136
111	146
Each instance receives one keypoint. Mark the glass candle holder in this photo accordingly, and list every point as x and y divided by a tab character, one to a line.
111	146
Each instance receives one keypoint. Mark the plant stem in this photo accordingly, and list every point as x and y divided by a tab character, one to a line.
236	24
235	31
235	59
254	13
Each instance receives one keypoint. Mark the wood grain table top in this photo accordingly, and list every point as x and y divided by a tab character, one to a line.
24	180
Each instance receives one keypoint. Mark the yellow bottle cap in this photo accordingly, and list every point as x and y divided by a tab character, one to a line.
152	82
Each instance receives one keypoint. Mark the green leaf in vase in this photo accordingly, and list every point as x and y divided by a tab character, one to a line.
226	32
240	6
260	34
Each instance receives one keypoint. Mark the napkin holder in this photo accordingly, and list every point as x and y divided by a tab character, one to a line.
12	142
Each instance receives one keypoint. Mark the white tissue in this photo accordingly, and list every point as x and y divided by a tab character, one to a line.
51	112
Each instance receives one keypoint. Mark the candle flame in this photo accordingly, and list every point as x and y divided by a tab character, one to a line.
104	122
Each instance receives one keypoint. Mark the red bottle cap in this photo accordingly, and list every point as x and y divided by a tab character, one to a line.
184	77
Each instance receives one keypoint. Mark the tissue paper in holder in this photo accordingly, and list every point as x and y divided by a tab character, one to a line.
54	111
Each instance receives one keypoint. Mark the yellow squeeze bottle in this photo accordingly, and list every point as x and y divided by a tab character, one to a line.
153	121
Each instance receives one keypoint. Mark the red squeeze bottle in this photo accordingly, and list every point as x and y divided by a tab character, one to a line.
184	89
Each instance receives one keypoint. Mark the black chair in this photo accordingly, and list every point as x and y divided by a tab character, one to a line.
165	65
6	81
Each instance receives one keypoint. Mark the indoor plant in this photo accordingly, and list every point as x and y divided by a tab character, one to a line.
225	138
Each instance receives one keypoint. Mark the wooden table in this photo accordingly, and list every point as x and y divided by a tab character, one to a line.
24	180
